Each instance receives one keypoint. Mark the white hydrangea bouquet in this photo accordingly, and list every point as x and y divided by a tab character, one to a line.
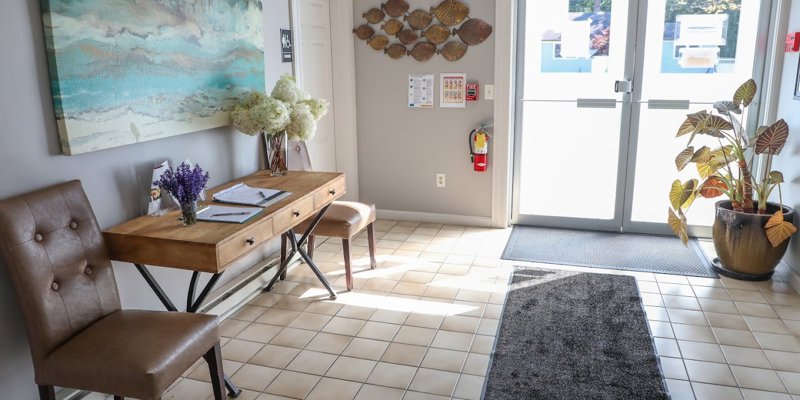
288	113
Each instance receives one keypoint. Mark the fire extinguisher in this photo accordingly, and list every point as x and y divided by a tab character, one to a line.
479	148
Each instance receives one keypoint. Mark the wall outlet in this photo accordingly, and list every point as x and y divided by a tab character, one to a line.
488	92
440	180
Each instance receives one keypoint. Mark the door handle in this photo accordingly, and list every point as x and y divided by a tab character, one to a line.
623	86
597	103
668	104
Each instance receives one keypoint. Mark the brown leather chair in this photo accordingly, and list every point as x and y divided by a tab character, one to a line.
79	336
343	219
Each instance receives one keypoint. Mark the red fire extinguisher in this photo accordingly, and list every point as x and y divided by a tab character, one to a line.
479	148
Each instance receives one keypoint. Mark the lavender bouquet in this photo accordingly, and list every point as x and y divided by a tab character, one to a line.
184	184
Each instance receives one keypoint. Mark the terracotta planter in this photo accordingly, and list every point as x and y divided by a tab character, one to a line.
741	243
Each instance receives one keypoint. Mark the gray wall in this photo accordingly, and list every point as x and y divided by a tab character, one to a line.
400	150
789	160
115	180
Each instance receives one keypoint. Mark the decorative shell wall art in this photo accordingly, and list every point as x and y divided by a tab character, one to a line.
419	19
392	27
364	32
395	8
437	34
378	42
450	12
453	50
409	28
395	51
422	51
408	36
473	32
374	16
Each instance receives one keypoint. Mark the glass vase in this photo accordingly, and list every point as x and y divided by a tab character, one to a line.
276	152
189	213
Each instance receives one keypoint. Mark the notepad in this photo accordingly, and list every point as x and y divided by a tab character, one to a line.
227	214
250	196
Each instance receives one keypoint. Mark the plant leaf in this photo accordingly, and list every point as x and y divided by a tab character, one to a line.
712	187
713	125
772	139
702	155
706	170
722	156
682	193
744	94
727	107
779	230
684	158
678	225
776	177
690	124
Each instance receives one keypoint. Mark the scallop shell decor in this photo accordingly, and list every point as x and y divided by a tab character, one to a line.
395	51
422	51
437	34
473	32
395	8
378	42
419	19
453	50
450	12
364	32
407	36
392	27
400	35
374	15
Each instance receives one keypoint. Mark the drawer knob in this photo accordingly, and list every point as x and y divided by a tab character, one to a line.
251	241
296	213
332	191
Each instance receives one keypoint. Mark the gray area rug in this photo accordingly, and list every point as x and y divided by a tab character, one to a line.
572	335
646	253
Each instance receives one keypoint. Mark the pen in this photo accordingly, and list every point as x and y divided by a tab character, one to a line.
229	214
262	194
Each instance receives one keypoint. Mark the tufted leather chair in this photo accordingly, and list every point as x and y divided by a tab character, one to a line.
79	335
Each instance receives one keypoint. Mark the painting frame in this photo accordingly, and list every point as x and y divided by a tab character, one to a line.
797	81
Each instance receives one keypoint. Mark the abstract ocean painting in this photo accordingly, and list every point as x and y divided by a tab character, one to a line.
129	71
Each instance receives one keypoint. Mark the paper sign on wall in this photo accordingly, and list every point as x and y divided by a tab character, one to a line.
452	91
420	91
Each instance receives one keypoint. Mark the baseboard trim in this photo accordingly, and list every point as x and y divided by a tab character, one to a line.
793	278
451	219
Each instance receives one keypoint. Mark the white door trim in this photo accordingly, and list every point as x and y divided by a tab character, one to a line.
503	112
343	64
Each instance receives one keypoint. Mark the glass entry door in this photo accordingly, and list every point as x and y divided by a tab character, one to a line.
602	87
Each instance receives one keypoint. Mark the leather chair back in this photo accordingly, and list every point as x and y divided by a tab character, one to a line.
57	260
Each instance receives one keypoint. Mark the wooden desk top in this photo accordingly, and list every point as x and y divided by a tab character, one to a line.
212	246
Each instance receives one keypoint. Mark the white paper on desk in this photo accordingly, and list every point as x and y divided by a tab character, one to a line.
222	214
250	196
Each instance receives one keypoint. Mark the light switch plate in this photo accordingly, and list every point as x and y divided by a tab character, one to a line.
488	92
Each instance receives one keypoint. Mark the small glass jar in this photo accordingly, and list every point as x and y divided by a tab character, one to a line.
189	213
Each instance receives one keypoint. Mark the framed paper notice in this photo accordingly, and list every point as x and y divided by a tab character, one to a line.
420	91
453	90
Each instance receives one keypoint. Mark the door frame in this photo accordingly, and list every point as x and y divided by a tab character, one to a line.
343	65
628	140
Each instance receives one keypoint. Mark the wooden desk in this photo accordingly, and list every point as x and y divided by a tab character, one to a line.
213	246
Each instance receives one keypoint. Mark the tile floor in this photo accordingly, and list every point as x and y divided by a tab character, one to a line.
422	326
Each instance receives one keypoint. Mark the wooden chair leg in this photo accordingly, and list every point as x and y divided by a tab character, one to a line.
47	392
284	244
310	246
371	239
348	273
119	398
214	359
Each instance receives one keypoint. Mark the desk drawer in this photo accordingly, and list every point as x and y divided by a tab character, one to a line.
291	216
244	242
328	193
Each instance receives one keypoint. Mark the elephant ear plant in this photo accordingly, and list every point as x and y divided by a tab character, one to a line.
728	169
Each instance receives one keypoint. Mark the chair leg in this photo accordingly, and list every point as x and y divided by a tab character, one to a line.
214	359
371	240
310	246
119	397
47	392
284	245
348	273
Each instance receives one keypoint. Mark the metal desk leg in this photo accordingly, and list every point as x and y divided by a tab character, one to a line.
192	305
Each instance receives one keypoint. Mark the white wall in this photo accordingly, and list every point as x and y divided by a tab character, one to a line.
115	180
789	160
400	150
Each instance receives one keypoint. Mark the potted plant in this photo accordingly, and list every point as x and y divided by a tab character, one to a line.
750	233
288	113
